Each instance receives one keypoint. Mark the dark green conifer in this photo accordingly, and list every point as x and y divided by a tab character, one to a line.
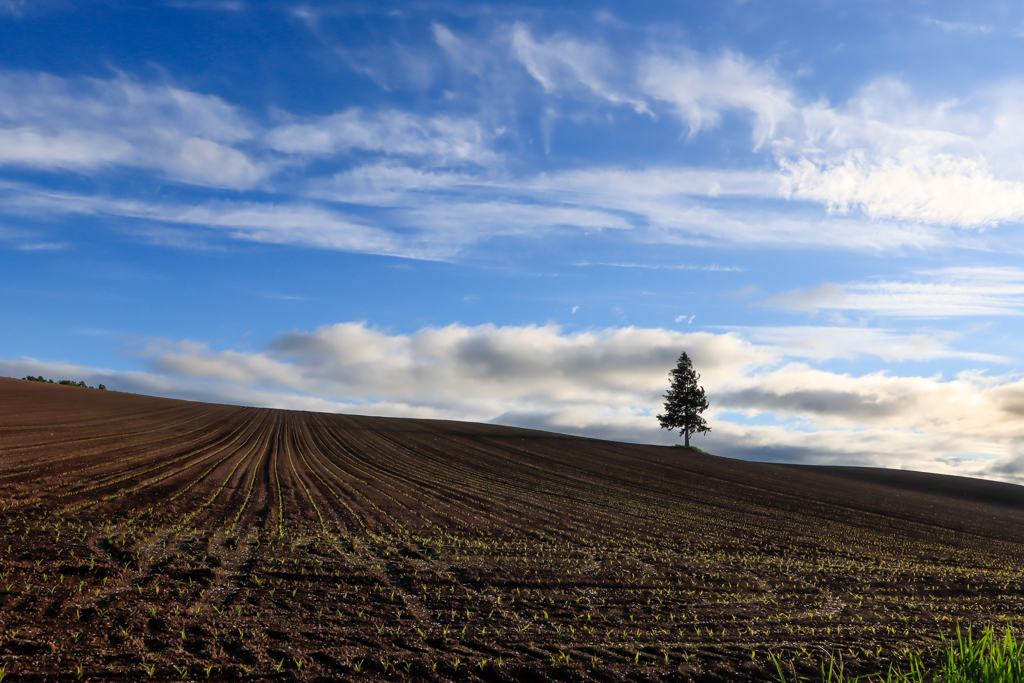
685	401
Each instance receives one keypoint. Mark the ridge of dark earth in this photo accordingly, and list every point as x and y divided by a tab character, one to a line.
157	539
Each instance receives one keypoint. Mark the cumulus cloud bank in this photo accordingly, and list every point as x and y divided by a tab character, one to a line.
768	400
481	371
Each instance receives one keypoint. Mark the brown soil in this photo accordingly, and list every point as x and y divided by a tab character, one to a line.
149	538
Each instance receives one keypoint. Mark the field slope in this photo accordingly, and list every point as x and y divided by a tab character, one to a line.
154	539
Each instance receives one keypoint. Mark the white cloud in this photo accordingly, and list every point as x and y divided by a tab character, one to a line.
916	185
485	372
441	139
903	173
457	49
953	162
21	8
438	214
957	26
153	384
826	343
651	266
949	292
72	149
659	205
42	246
657	183
894	171
301	223
27	241
87	124
430	228
701	90
209	5
561	61
470	367
670	203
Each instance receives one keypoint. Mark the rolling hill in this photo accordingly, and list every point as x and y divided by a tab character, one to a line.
149	538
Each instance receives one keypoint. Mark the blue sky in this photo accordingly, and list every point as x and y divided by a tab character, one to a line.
523	213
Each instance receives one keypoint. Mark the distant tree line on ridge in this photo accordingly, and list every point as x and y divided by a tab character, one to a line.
65	382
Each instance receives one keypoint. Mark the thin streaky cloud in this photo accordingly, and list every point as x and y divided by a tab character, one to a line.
935	299
958	26
648	266
823	343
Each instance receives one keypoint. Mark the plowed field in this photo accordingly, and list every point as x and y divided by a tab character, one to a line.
153	539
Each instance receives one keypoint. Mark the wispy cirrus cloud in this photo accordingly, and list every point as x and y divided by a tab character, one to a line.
884	153
293	223
945	293
87	124
701	90
957	26
440	140
655	266
209	5
27	8
90	124
892	170
822	343
415	214
427	229
661	205
23	240
563	62
893	155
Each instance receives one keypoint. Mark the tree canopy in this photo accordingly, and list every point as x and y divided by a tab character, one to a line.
685	401
65	382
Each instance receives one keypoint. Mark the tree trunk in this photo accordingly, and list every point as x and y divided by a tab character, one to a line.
686	434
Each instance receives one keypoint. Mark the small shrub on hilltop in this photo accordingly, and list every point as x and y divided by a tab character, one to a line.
65	382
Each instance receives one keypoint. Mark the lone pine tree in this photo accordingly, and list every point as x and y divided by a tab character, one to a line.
684	401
